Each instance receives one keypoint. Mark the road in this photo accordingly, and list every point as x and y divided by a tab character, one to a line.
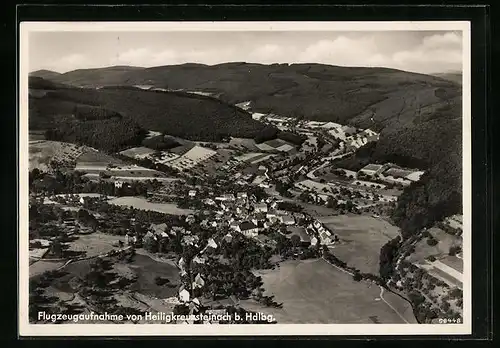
382	290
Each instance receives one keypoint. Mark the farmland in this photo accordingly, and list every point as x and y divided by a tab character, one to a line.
361	238
314	292
142	203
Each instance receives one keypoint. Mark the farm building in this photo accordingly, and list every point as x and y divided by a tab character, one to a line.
287	219
261	207
371	169
248	229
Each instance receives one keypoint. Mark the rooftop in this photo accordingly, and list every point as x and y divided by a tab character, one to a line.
247	225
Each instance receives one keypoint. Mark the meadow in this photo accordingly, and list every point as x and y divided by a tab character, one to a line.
314	292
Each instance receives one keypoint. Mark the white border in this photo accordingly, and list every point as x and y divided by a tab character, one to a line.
27	329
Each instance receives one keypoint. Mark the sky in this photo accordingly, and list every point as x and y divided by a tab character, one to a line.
416	51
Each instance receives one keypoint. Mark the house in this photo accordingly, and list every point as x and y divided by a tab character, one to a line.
248	229
241	195
260	207
211	243
209	201
225	197
371	169
118	184
287	219
192	193
314	241
271	214
199	260
183	295
198	282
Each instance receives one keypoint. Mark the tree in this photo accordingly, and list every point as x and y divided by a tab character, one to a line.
357	276
295	239
431	241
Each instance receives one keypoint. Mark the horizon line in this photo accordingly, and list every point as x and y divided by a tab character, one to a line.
242	62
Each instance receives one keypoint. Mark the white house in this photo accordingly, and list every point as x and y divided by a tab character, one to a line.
248	229
225	197
192	193
198	282
199	260
314	241
184	295
287	219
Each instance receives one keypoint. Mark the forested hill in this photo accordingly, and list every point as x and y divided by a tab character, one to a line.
367	97
180	114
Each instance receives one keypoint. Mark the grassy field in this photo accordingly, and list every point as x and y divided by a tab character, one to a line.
441	249
142	203
90	155
147	270
95	243
361	239
313	291
137	152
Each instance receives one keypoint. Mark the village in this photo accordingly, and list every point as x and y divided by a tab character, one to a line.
198	198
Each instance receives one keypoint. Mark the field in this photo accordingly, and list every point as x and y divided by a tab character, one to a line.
41	152
95	243
142	203
147	270
96	157
445	241
137	152
361	239
313	291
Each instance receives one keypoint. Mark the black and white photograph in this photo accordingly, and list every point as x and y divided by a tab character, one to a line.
245	178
